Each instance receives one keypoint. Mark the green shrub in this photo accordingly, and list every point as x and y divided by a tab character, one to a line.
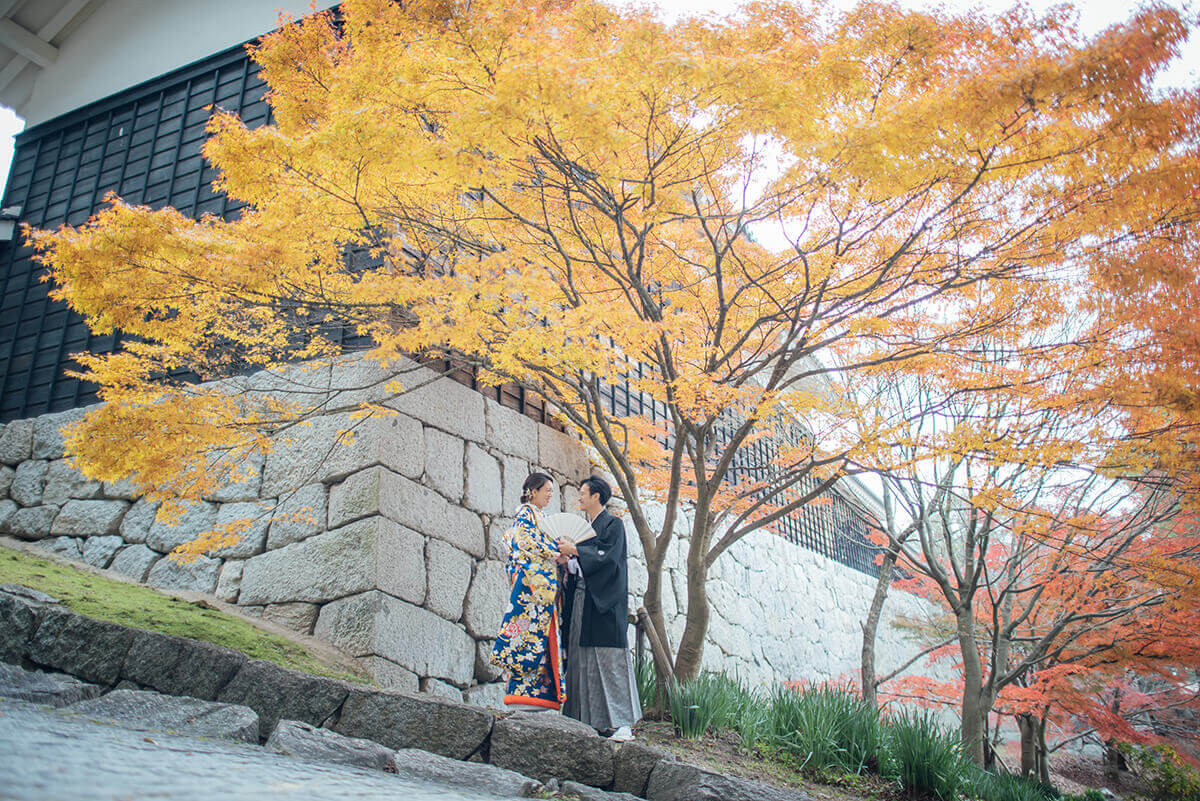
1167	776
925	758
823	728
1000	787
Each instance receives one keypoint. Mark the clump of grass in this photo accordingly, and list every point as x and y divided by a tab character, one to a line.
144	608
824	728
989	786
709	702
647	682
925	758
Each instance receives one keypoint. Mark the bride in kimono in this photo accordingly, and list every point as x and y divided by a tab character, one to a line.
528	647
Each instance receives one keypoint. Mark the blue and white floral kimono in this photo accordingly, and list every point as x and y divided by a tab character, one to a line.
528	647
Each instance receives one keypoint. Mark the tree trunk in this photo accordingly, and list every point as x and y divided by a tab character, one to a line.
871	628
1028	745
1043	753
691	644
974	711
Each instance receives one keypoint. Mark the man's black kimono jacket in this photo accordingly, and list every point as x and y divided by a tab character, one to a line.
605	621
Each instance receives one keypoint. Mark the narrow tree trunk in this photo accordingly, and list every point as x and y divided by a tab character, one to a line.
871	628
1043	753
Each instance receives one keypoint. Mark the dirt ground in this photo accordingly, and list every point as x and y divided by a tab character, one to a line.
722	753
1071	773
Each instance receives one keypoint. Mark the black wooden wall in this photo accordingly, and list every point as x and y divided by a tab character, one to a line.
144	144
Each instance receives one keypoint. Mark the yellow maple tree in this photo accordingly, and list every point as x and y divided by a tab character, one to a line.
743	218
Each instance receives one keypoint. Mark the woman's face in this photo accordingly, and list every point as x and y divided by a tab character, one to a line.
540	497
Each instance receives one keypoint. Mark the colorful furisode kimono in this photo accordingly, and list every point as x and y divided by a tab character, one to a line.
528	646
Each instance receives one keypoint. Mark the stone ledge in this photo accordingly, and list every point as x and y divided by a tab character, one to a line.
545	746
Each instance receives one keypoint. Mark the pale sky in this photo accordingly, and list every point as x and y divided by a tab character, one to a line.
1094	15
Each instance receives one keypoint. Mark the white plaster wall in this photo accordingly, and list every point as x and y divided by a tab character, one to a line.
125	42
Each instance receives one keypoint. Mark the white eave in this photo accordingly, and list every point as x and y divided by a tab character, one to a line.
31	33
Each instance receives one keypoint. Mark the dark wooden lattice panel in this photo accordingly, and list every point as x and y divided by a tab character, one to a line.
143	144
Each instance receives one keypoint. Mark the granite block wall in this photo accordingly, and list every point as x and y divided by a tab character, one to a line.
390	546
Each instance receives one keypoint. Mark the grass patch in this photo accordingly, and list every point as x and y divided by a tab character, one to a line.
144	608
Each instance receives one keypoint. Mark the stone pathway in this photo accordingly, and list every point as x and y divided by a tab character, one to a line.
46	755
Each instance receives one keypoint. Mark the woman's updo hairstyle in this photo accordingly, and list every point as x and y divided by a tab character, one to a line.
532	484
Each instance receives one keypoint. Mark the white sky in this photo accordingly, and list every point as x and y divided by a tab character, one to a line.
1094	15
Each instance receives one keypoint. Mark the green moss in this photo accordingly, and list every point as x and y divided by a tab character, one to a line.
144	608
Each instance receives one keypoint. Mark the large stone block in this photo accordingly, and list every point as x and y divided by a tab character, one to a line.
17	624
477	779
7	509
423	510
386	673
444	463
487	695
276	694
497	537
197	518
141	709
32	523
229	583
312	744
441	689
64	483
562	453
243	479
414	720
134	561
16	442
89	518
93	650
485	671
257	515
552	747
511	432
356	497
179	666
449	577
298	516
6	479
632	764
51	689
486	599
678	781
445	404
484	490
63	546
296	615
135	526
99	551
323	451
515	472
199	575
374	553
47	432
415	638
28	482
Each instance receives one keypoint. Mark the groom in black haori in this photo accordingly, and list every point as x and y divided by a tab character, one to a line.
601	688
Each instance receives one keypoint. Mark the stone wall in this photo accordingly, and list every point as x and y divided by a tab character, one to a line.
390	547
781	612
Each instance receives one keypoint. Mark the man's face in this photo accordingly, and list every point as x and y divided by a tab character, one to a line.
586	500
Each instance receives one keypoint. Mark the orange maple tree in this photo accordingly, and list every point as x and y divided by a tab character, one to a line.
569	196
